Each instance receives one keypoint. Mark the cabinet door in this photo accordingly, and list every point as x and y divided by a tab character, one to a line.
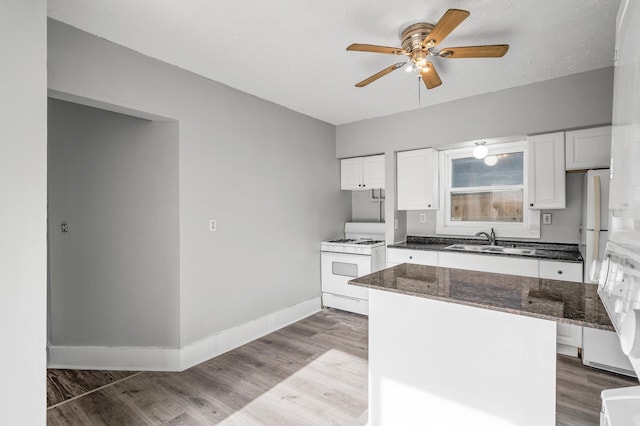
373	172
569	336
589	148
547	171
418	179
351	173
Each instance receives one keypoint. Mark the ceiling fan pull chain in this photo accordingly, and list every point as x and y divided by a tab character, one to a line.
419	92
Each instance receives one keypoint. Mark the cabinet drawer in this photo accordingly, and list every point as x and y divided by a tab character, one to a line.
490	263
563	271
420	257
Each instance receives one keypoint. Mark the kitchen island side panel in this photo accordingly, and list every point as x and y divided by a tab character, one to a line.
433	362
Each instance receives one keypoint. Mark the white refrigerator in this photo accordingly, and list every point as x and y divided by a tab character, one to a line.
600	348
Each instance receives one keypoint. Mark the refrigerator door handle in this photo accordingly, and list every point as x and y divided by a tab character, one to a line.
596	216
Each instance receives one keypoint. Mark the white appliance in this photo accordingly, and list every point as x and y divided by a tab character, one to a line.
599	348
595	217
619	273
360	252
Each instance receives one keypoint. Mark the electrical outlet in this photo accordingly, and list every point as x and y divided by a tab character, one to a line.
423	218
546	218
212	225
396	224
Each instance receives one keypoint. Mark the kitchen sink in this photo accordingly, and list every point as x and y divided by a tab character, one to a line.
523	251
465	247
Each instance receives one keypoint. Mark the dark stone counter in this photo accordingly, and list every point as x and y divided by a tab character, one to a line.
548	251
560	301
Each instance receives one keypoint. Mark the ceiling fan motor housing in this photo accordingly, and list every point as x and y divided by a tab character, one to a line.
414	35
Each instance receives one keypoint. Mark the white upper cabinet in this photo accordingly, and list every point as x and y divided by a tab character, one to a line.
362	173
418	179
547	183
589	148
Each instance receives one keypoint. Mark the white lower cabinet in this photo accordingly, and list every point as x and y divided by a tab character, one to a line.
569	336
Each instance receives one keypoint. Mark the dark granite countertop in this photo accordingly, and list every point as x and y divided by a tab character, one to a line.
560	301
547	251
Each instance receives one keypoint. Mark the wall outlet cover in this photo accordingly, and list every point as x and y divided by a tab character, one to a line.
423	218
546	218
212	225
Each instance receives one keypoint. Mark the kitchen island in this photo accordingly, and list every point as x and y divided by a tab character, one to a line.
450	346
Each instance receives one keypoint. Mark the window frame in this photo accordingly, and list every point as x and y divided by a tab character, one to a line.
530	225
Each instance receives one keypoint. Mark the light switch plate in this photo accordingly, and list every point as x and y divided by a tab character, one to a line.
546	218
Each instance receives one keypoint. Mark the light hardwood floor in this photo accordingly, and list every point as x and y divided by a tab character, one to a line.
313	372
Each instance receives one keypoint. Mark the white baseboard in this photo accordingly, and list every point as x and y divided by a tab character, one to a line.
227	340
177	359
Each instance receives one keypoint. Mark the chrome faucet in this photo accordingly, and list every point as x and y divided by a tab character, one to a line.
491	237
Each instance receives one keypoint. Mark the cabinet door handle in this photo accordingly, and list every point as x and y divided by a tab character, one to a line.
559	271
428	205
363	185
410	257
531	205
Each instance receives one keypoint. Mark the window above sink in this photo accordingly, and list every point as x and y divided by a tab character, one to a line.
478	194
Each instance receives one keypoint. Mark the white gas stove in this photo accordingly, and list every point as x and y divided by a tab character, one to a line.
360	252
351	245
618	277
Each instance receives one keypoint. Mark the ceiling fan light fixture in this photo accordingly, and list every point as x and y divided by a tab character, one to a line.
480	151
491	160
419	58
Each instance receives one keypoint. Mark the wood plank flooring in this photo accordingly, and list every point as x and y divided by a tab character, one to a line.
313	372
578	391
63	385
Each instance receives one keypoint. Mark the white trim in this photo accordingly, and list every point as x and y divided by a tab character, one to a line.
177	359
528	228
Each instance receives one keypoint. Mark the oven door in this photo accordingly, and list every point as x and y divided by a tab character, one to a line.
338	268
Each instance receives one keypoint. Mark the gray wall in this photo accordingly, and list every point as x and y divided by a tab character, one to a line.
564	228
114	276
364	208
574	101
23	187
268	175
578	100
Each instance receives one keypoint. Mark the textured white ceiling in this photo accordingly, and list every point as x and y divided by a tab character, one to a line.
292	52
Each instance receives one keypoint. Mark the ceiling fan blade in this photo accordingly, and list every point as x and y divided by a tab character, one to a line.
376	49
380	74
492	51
430	76
449	21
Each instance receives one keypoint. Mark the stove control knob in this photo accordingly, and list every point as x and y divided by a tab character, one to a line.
630	334
598	271
619	276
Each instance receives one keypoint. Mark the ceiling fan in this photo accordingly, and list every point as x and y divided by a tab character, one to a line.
419	42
